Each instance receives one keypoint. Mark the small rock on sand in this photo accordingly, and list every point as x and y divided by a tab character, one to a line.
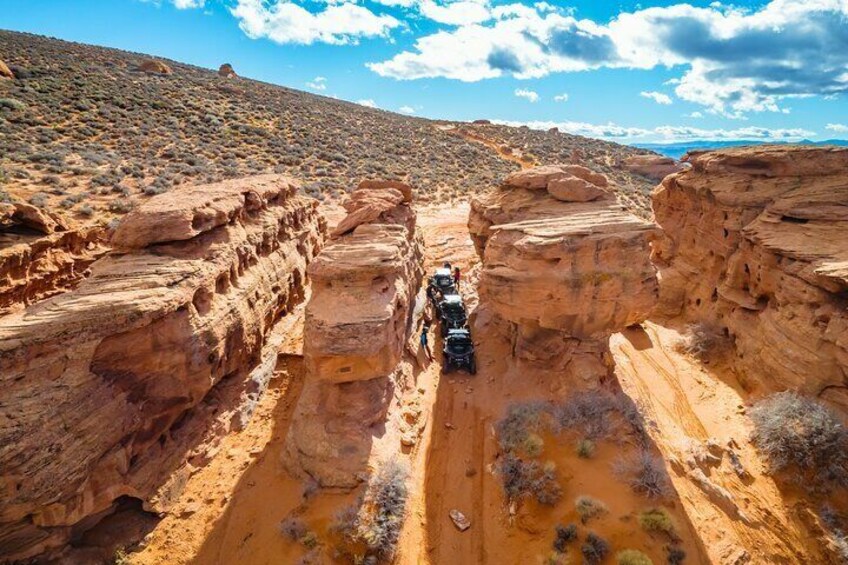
459	520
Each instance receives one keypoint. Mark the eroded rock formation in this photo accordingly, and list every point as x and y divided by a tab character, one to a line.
5	72
152	66
108	388
226	71
654	167
564	275
41	255
358	320
756	244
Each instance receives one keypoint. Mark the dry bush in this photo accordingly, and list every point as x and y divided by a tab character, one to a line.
564	536
645	473
585	448
632	557
588	508
705	342
657	520
374	523
675	555
520	422
594	549
793	431
600	415
523	479
293	528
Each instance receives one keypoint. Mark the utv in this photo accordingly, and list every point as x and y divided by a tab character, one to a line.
452	313
459	352
441	284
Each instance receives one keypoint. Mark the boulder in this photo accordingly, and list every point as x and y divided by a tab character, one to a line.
158	342
5	71
373	204
655	167
358	320
152	66
535	178
226	71
575	189
755	247
404	188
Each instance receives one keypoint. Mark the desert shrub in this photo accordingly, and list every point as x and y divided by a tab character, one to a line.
564	536
12	104
533	445
309	540
293	528
645	473
520	421
791	430
632	557
593	413
657	520
594	549
588	508
530	478
585	448
121	557
381	516
675	555
39	199
834	524
704	342
121	205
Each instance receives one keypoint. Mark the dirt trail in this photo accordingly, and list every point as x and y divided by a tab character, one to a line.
688	401
499	148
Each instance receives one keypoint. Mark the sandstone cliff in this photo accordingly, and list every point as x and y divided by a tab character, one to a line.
564	274
654	167
108	388
364	285
755	244
40	255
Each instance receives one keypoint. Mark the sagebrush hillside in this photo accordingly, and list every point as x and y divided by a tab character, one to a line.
84	130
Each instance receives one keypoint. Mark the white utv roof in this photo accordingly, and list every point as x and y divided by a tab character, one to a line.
453	299
443	272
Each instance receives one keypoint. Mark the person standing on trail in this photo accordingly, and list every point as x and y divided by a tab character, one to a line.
424	343
456	277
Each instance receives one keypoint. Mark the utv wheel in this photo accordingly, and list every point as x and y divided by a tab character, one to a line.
472	368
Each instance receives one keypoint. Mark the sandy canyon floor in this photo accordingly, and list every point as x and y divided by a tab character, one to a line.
231	509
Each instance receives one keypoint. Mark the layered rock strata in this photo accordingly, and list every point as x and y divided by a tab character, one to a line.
564	274
756	245
358	320
654	167
108	388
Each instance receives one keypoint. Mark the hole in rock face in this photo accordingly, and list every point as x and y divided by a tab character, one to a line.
202	300
714	296
793	220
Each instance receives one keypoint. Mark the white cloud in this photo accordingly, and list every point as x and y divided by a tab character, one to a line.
187	4
283	21
696	115
561	97
318	83
406	110
665	133
529	95
657	97
838	128
732	61
457	13
367	102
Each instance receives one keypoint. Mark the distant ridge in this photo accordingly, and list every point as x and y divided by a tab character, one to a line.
678	150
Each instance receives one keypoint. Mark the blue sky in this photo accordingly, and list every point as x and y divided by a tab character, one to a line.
630	71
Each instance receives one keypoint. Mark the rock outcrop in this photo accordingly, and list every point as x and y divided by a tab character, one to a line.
226	71
564	275
654	167
364	285
5	71
154	67
755	244
109	388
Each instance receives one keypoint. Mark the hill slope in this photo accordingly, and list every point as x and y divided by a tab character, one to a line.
83	130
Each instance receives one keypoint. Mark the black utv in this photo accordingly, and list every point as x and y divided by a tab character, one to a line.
452	314
440	285
459	352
